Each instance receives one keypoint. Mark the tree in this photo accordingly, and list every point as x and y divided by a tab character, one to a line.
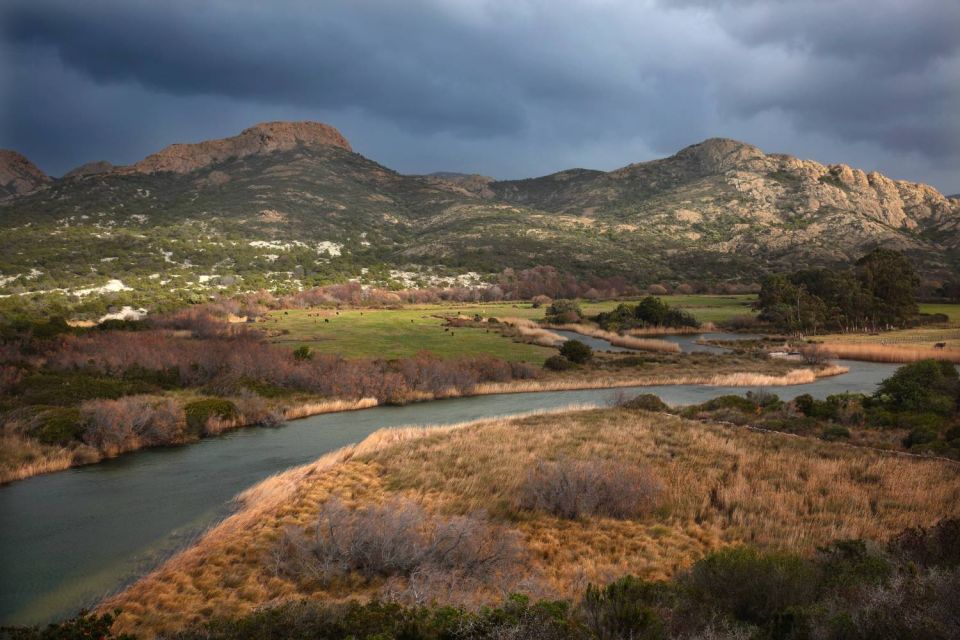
889	278
562	311
576	351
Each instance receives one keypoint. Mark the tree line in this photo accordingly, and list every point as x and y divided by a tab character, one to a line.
877	292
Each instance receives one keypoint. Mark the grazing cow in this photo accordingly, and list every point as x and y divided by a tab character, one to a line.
940	345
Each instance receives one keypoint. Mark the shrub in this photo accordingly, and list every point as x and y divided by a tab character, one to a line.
65	389
563	311
115	426
576	351
199	412
835	432
919	436
738	403
558	363
936	546
927	385
303	352
398	538
621	610
754	586
523	371
58	426
644	402
538	301
85	625
815	354
574	489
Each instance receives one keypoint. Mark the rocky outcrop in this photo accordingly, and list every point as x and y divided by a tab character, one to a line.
90	169
260	139
18	175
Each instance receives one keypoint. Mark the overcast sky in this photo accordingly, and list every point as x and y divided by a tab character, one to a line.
507	88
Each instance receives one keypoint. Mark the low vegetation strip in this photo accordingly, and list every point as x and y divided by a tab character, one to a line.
711	487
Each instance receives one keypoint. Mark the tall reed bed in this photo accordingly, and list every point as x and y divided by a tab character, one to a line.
533	332
627	342
796	376
887	353
670	331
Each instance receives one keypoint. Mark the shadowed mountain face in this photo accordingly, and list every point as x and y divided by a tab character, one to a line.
293	198
18	175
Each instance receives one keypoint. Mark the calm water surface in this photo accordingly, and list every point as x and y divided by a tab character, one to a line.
68	538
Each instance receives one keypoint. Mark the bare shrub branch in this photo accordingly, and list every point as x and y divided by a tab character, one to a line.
574	489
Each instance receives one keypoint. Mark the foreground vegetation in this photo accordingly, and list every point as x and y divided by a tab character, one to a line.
465	515
849	589
917	410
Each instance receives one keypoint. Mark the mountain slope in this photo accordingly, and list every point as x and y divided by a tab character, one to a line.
18	175
290	204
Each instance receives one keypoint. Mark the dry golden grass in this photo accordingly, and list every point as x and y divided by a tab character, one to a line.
23	457
533	332
601	381
889	353
328	406
722	486
671	331
627	342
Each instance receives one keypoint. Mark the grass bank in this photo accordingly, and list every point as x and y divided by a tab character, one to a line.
718	487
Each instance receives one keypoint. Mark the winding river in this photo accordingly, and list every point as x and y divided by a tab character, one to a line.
69	538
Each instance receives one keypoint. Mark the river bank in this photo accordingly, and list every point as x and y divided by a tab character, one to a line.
70	538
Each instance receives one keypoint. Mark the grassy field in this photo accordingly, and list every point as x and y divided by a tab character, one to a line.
719	486
395	333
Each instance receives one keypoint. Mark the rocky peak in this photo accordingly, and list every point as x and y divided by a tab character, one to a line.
18	175
717	155
263	138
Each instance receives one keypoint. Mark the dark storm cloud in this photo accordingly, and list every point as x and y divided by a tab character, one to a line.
504	87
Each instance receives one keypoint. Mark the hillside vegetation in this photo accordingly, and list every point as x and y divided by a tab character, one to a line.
285	205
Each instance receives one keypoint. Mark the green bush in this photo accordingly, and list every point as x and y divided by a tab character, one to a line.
561	311
623	609
739	403
835	432
59	426
558	363
85	625
927	386
919	436
576	351
303	352
645	402
200	411
64	389
752	586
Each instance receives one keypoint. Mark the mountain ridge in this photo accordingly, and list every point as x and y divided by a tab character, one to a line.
293	203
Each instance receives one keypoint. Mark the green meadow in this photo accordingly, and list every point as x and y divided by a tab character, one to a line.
397	333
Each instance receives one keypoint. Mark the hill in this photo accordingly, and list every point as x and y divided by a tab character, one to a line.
291	204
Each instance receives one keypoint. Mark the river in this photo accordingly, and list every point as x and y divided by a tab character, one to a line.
68	538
